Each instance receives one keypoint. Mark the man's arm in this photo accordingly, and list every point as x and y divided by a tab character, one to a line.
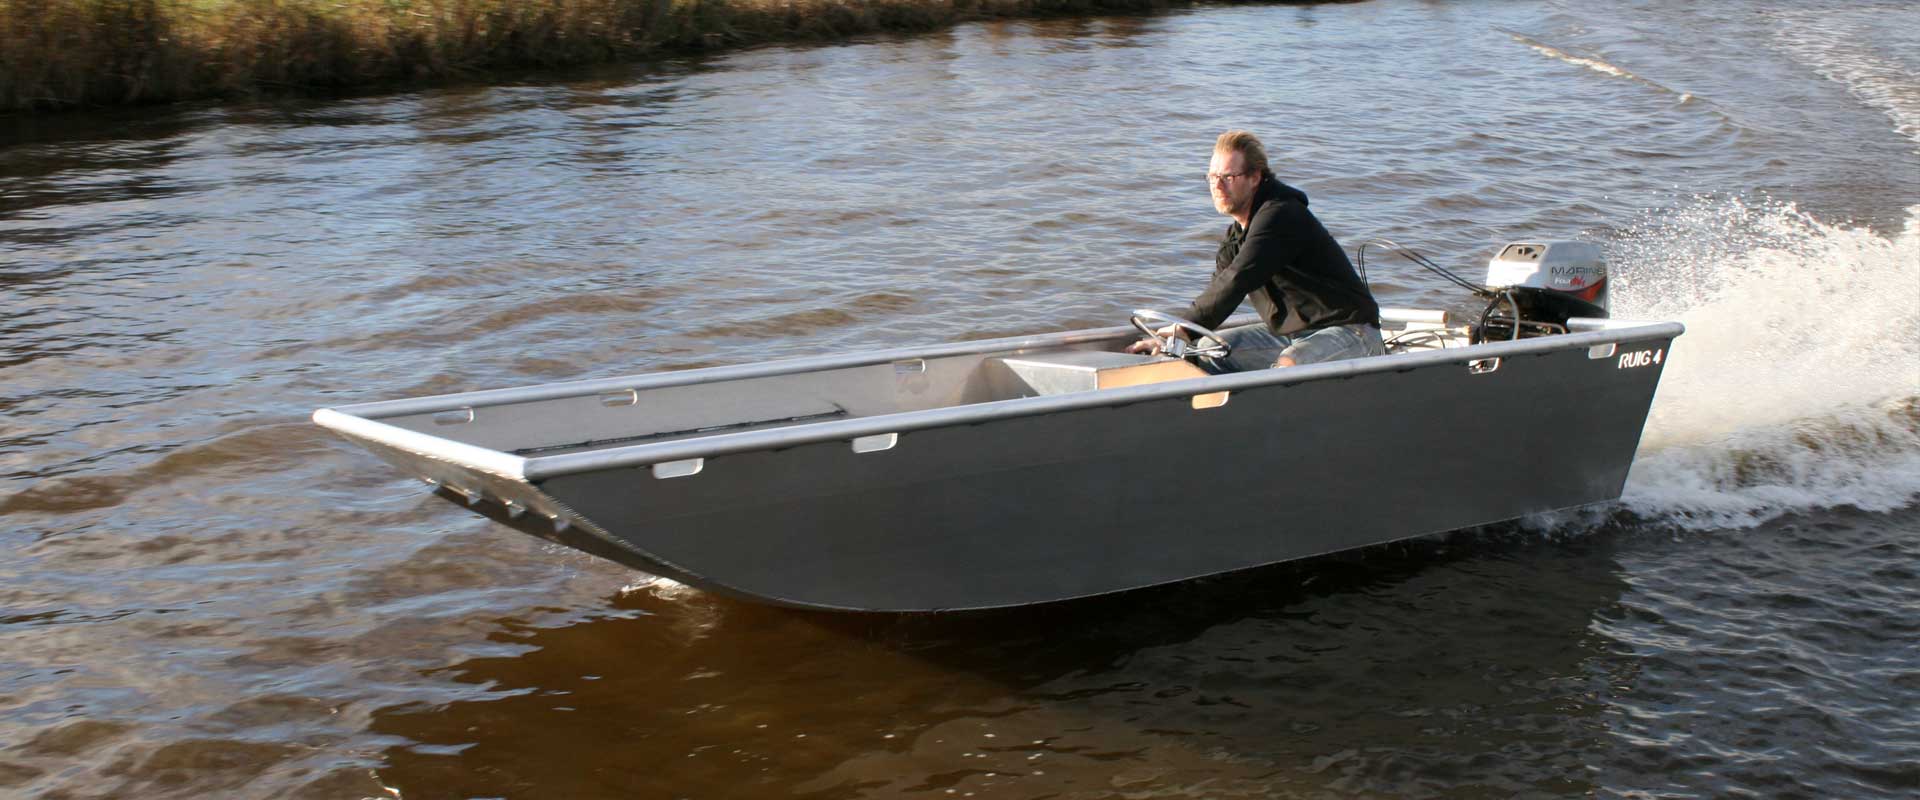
1269	245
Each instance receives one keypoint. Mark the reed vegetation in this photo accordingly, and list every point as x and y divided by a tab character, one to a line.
72	53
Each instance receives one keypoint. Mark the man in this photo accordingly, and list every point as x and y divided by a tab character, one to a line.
1313	306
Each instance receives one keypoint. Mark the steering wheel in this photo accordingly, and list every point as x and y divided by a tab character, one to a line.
1206	343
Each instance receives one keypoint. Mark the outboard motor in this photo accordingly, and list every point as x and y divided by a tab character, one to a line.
1538	286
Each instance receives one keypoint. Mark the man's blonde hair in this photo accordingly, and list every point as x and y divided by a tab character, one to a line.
1249	148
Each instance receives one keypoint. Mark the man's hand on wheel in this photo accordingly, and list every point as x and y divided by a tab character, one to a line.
1152	346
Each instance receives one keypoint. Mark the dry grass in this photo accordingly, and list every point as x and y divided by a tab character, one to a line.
69	53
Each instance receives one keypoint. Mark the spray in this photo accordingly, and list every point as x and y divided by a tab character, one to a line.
1797	385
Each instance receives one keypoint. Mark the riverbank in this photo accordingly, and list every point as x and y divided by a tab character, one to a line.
57	54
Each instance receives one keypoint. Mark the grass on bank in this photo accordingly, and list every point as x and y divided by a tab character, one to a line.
73	53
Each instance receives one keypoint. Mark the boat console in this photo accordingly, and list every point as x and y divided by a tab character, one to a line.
1035	375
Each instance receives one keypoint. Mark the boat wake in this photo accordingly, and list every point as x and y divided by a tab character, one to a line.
1797	386
1596	64
1838	45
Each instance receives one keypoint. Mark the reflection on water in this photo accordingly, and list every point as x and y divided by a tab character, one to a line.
1251	682
204	595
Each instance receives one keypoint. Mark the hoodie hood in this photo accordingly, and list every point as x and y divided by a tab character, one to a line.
1275	190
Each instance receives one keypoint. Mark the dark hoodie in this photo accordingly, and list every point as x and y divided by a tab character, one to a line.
1297	275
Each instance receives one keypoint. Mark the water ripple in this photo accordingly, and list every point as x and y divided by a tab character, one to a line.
206	596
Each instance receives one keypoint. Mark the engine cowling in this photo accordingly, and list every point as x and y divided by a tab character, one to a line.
1549	283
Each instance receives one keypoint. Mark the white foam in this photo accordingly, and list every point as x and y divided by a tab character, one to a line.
1594	64
1797	384
1590	62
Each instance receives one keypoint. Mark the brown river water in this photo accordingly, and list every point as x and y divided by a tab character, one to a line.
204	595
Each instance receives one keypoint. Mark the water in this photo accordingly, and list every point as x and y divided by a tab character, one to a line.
203	595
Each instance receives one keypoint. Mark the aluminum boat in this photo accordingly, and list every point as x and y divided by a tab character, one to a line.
1041	468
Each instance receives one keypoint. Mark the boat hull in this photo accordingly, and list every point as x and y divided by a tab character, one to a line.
1027	501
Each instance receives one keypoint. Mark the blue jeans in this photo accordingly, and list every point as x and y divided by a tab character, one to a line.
1255	347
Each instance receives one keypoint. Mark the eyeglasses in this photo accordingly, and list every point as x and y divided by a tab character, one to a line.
1221	177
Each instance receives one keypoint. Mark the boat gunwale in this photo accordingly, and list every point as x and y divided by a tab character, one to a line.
731	372
640	455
